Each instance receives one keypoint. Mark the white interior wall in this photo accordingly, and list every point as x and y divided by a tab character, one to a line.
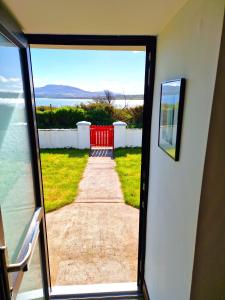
187	47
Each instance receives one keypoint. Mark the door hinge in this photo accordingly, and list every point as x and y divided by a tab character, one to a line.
149	76
143	186
143	175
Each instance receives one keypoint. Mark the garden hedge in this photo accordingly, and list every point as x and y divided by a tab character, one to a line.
96	113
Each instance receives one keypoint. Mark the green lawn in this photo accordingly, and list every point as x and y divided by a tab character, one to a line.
171	152
62	170
128	166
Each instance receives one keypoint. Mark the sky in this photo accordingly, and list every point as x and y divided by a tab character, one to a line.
91	70
10	72
170	92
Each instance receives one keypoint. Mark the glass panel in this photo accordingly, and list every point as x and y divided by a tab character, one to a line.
31	287
16	179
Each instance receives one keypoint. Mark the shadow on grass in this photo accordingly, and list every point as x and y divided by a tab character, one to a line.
123	152
71	152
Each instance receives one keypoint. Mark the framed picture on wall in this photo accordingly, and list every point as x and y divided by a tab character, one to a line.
170	116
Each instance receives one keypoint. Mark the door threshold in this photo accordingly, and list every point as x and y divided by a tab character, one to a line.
127	290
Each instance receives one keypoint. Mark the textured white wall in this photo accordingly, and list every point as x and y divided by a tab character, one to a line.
58	138
119	134
133	137
188	47
83	137
72	138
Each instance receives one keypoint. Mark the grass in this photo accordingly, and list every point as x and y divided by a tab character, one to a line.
170	151
62	170
128	166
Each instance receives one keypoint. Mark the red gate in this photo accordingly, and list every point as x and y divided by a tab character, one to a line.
102	136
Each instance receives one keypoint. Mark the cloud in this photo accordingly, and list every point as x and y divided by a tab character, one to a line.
11	84
14	79
4	79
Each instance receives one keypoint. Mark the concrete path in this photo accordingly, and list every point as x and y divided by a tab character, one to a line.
95	239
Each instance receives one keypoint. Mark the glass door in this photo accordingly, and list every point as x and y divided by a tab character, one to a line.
21	219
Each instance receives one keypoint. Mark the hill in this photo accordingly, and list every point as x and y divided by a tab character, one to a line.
65	91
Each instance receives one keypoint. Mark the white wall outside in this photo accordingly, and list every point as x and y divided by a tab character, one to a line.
119	134
80	139
188	47
58	138
133	137
83	129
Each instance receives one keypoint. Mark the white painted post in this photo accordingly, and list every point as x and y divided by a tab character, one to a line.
83	128
119	134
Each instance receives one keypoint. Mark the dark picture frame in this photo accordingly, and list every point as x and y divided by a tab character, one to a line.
170	116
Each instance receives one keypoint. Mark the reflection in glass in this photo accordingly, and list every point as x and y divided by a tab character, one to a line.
170	96
31	287
16	181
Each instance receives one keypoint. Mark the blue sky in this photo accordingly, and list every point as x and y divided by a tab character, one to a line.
93	70
10	73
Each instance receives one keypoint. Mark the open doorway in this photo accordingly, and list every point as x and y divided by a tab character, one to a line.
112	234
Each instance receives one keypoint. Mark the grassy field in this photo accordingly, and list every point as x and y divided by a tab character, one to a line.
62	170
171	151
128	166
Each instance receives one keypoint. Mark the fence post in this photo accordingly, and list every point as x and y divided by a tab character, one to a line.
83	134
119	134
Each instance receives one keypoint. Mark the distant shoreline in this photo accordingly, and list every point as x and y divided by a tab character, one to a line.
59	102
127	97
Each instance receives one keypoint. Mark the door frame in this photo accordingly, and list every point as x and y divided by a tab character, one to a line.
149	42
11	30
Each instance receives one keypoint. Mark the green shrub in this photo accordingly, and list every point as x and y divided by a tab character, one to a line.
98	113
65	117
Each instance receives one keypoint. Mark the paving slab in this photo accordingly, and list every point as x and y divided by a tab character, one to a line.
95	239
100	182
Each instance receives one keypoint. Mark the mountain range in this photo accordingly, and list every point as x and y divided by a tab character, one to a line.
70	92
65	91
